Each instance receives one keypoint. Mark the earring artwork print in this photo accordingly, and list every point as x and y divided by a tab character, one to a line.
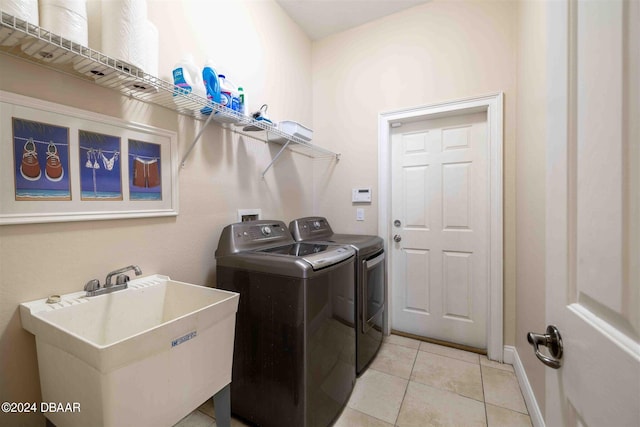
41	161
100	166
145	176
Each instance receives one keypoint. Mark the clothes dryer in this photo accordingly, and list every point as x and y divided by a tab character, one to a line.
369	290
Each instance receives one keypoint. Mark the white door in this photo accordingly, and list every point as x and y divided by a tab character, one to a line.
593	212
440	215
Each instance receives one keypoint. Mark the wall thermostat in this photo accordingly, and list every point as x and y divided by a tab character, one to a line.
361	195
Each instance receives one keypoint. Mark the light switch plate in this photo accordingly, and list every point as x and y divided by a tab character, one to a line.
359	214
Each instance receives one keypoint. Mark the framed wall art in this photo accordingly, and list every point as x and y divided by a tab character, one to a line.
59	163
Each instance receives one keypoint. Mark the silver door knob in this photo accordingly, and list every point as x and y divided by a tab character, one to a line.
397	238
553	341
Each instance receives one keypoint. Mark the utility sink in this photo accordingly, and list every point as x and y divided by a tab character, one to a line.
143	356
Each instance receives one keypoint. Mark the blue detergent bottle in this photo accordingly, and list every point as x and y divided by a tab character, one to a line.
186	77
211	85
181	76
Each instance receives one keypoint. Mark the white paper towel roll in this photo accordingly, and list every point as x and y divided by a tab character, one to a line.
123	30
94	22
151	49
22	9
66	18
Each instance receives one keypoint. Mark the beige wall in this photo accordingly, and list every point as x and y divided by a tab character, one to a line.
272	60
443	50
530	177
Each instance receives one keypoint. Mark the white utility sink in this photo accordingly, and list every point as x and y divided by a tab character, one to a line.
143	356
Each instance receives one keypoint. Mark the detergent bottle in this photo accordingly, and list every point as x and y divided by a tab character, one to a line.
226	92
211	85
186	76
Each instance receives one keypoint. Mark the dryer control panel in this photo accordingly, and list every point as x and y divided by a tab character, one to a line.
311	228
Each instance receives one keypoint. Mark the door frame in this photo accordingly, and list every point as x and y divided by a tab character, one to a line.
493	105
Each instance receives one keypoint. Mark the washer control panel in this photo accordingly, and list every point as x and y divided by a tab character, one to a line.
249	235
264	231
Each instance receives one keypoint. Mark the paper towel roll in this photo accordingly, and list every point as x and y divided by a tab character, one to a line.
66	18
151	49
22	9
123	30
94	22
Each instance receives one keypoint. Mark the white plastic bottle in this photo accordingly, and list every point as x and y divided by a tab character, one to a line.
226	92
198	88
187	77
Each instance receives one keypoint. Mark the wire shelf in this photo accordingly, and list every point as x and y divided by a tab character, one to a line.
22	39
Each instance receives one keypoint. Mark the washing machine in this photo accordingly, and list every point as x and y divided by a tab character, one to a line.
369	290
294	356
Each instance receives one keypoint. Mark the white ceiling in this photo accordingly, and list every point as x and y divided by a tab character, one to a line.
320	18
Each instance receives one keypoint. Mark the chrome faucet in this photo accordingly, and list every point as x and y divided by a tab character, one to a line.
93	287
107	281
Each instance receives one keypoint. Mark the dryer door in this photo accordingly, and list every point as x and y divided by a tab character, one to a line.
373	295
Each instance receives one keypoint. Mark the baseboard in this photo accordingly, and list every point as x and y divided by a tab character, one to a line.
511	357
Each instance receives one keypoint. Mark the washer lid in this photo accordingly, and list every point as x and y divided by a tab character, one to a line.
319	255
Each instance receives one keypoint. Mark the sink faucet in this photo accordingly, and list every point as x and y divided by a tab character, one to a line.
93	287
107	281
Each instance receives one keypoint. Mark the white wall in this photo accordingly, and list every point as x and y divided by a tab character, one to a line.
440	51
531	172
261	48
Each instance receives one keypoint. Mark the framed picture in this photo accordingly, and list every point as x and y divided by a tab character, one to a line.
101	172
59	163
41	158
145	171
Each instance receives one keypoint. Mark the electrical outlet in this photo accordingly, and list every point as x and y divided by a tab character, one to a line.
249	214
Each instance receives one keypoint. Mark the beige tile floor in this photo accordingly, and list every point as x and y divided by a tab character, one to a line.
416	384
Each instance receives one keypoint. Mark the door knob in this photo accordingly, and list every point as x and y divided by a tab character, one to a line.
553	341
397	238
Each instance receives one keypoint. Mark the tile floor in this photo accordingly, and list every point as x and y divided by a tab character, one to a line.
416	384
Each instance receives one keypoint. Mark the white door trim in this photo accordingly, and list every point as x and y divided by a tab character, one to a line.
493	105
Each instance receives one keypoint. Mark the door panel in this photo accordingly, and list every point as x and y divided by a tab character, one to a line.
592	211
455	138
417	280
440	194
455	195
457	285
416	187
